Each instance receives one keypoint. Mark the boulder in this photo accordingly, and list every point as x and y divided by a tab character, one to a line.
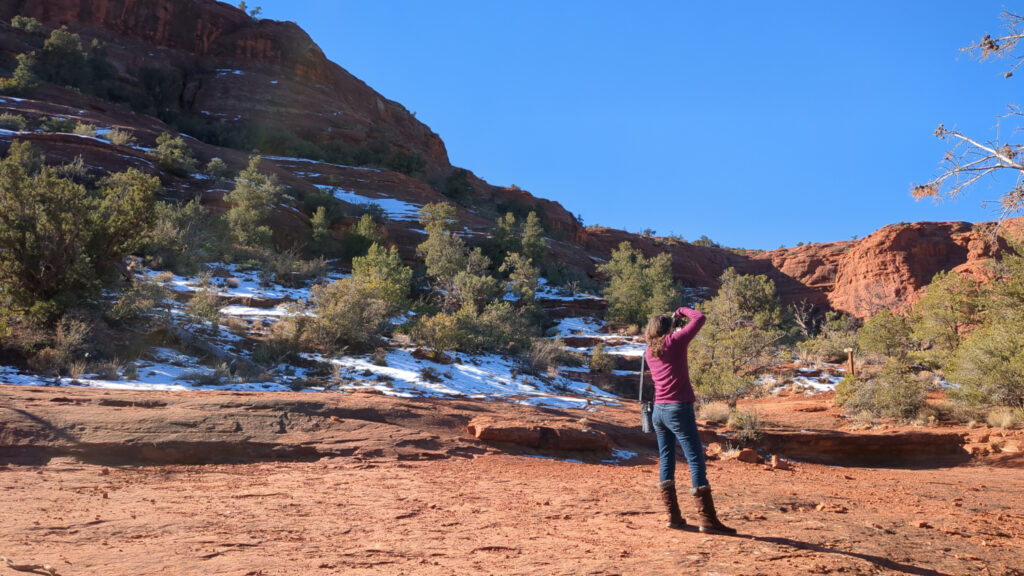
521	434
748	455
551	436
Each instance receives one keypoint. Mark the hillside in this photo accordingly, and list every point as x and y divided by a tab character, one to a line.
209	70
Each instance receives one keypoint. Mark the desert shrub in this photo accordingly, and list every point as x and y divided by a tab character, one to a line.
406	162
58	239
499	327
707	242
14	122
71	337
638	287
216	169
347	316
22	154
28	25
458	274
23	80
455	186
522	277
988	368
541	358
474	287
571	358
107	370
287	269
370	221
885	334
131	371
75	171
287	336
714	411
141	298
214	377
319	198
55	124
69	344
950	307
505	329
739	338
83	129
600	361
430	374
440	332
46	361
204	306
77	368
360	237
174	155
250	201
379	357
837	333
185	236
354	311
63	60
382	273
1002	417
120	137
952	409
927	416
747	425
894	393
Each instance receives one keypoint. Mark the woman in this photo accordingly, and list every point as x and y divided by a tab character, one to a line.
674	418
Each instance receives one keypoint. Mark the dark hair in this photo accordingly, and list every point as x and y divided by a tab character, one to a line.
657	327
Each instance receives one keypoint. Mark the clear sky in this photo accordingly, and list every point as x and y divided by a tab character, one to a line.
758	124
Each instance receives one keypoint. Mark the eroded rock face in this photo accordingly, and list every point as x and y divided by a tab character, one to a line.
889	269
813	267
237	70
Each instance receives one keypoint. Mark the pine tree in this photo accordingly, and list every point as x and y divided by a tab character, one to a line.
251	200
638	287
533	242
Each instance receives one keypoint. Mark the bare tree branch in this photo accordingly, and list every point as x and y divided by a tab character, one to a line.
969	159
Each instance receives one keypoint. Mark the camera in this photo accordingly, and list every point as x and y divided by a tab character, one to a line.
678	321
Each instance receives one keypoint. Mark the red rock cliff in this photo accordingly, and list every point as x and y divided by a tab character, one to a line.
238	69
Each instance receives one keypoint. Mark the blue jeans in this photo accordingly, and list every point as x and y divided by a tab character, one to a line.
674	422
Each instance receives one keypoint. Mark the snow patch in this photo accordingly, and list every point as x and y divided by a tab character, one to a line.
395	209
484	376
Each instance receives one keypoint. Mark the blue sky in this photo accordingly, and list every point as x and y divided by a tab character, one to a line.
758	124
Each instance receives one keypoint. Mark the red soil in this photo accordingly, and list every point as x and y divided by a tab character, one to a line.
417	494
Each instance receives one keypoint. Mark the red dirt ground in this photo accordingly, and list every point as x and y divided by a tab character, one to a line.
418	495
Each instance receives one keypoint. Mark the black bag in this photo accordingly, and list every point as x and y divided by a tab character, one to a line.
646	408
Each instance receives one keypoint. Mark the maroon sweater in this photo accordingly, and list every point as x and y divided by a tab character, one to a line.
671	372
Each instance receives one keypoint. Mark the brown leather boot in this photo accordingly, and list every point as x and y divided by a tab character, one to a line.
668	496
707	518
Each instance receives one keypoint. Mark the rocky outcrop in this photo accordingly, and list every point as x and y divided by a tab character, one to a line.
896	449
554	436
813	267
236	70
889	268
